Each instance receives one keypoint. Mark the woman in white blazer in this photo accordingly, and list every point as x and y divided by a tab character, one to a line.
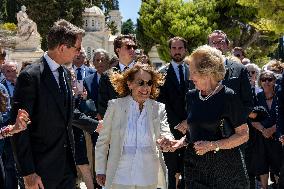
127	153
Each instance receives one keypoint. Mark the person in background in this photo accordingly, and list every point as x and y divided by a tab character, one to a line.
2	61
113	61
246	61
268	152
124	48
25	64
172	94
239	53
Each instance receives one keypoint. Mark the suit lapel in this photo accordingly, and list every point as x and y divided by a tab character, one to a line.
125	104
51	84
172	76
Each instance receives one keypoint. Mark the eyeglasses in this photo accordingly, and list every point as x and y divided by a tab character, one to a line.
141	83
128	47
238	55
78	49
266	79
252	72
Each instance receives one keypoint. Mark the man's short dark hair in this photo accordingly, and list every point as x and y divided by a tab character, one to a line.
239	49
63	32
219	32
177	38
118	41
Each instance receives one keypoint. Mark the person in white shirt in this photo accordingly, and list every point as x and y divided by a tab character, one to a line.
135	128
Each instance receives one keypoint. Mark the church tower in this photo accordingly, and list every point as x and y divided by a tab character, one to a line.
115	16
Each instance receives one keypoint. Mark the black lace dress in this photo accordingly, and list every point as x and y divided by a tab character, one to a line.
224	169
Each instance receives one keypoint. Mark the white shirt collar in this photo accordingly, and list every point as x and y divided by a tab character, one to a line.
51	63
122	66
175	65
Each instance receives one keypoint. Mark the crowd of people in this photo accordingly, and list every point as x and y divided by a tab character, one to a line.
201	121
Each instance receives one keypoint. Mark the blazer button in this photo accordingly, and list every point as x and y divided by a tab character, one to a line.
65	145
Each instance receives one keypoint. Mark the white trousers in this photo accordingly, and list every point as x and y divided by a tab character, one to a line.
120	186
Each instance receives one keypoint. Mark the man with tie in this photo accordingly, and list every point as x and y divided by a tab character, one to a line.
10	72
172	94
124	48
44	152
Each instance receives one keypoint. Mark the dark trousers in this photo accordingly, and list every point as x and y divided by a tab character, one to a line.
281	177
174	162
68	181
11	181
2	174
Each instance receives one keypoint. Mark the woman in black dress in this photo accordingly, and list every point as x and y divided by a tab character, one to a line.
213	159
268	147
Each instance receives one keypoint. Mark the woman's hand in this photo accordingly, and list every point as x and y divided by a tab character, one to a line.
101	179
202	147
100	126
21	122
182	126
165	144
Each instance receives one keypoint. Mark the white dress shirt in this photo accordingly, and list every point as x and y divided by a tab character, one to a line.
176	69
122	66
137	166
83	70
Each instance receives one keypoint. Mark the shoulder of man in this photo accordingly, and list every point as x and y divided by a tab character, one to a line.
164	69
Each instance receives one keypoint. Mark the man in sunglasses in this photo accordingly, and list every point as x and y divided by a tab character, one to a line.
172	94
124	48
236	78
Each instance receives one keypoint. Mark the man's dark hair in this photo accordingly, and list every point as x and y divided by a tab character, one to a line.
219	32
177	38
239	49
63	32
118	41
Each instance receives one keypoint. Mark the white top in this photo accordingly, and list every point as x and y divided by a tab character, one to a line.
175	66
122	66
53	67
137	166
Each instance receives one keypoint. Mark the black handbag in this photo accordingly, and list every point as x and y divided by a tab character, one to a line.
226	128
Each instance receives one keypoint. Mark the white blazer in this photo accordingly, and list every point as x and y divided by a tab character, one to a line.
110	141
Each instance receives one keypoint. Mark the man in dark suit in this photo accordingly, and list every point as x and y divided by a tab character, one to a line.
236	78
44	152
124	48
172	94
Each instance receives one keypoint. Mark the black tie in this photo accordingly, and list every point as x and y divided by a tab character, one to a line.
125	68
62	84
79	74
181	77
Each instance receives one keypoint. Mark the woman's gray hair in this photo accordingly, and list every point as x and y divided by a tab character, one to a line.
254	67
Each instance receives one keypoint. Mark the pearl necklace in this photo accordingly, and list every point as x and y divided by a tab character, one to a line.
210	94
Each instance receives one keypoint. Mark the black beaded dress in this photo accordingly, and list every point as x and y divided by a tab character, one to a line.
224	169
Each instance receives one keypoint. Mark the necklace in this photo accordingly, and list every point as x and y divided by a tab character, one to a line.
210	94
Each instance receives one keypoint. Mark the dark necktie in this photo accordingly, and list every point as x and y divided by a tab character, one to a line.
125	68
181	77
62	84
79	74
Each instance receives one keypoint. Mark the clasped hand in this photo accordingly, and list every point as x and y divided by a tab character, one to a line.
169	144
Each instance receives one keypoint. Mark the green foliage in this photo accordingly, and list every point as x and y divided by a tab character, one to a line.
245	24
127	27
112	26
8	26
144	41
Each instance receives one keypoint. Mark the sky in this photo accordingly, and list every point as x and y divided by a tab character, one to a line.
129	9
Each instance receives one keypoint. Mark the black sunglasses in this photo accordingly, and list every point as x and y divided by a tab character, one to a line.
252	72
131	46
238	55
266	79
141	83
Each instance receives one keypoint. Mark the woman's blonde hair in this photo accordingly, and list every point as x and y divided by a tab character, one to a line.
119	80
208	61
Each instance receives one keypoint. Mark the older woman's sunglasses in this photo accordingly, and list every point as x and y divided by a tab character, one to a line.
252	72
141	83
267	79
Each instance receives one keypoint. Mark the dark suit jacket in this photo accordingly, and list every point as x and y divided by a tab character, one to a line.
106	91
92	87
237	79
174	98
43	147
280	109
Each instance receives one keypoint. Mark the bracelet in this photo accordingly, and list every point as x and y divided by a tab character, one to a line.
217	147
6	131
